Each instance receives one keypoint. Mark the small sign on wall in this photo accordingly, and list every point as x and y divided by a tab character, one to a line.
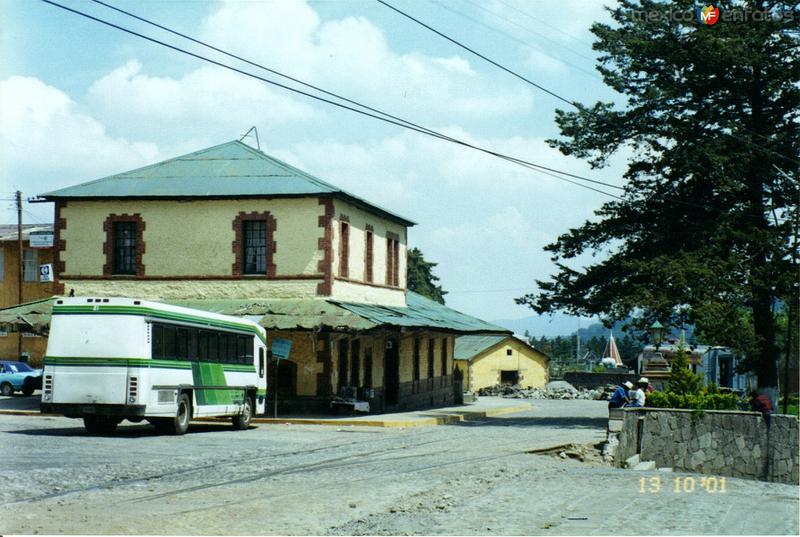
46	272
41	239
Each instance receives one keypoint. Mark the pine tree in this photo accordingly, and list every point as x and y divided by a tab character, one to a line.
682	380
421	278
707	224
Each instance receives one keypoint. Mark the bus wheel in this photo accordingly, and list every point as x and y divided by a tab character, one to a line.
180	424
242	421
100	424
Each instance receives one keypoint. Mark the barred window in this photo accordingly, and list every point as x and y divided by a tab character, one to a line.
124	247
255	246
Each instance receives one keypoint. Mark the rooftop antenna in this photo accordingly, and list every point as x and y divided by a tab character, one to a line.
254	130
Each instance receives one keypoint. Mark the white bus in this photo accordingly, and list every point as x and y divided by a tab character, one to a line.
110	359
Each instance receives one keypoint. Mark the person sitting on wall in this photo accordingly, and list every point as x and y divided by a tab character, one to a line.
637	396
620	395
761	403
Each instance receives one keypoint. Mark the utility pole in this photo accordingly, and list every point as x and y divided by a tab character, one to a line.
20	265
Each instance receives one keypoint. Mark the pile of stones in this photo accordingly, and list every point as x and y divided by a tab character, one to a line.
557	389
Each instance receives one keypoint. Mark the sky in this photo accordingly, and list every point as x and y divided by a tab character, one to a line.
80	101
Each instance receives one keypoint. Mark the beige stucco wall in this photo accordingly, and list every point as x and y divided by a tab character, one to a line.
193	289
359	219
355	292
485	370
185	238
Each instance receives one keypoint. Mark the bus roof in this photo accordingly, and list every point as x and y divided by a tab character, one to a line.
134	306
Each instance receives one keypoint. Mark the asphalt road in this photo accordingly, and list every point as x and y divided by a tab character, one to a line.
471	478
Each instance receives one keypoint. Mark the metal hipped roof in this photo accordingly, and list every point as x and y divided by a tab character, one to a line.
468	347
232	169
286	314
421	312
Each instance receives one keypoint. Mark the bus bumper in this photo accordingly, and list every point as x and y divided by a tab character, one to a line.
79	410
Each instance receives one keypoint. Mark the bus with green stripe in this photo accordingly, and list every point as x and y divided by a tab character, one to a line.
115	359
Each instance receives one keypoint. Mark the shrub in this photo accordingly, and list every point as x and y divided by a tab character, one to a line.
698	401
682	380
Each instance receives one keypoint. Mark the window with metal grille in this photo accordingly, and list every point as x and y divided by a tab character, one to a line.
255	246
124	247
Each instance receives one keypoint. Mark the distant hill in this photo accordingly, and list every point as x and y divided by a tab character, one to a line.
554	325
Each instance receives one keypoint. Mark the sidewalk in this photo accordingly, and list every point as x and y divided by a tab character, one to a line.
484	407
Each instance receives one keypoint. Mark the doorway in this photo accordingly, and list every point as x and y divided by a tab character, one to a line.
391	365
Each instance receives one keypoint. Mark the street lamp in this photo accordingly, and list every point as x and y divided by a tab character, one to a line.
657	329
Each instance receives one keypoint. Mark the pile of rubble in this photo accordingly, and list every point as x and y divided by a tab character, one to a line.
557	389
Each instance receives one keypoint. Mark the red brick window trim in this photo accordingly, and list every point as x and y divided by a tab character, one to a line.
238	246
109	246
344	249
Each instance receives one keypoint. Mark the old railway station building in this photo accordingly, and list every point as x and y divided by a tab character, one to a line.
232	230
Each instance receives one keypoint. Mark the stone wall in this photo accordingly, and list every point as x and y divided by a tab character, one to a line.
581	379
736	444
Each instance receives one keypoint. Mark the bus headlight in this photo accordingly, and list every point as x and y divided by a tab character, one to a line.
131	399
46	397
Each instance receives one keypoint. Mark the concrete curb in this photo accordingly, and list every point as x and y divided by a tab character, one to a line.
432	421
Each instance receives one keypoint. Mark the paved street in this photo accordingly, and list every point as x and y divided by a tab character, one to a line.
470	478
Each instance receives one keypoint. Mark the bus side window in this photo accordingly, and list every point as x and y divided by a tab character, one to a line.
261	362
183	344
202	347
192	344
158	341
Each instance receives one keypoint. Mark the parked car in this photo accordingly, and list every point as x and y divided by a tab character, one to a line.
19	376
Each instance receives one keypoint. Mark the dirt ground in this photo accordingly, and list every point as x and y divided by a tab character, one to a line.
472	478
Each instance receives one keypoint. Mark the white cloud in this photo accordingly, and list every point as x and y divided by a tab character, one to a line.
352	56
46	142
539	61
206	95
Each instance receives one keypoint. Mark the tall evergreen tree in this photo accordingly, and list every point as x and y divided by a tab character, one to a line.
707	224
421	278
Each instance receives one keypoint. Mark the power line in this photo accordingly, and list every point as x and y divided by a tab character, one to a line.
478	54
511	37
528	30
376	115
572	103
388	118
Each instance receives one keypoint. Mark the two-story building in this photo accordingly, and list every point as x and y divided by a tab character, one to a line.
233	230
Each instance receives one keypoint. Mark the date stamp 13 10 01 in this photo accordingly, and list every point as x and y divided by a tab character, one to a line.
682	485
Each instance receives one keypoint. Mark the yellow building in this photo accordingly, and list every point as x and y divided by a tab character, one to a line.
23	339
233	230
487	360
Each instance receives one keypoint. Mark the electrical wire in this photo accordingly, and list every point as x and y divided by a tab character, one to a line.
379	115
572	103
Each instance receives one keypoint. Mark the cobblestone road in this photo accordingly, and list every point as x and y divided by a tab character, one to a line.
471	478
